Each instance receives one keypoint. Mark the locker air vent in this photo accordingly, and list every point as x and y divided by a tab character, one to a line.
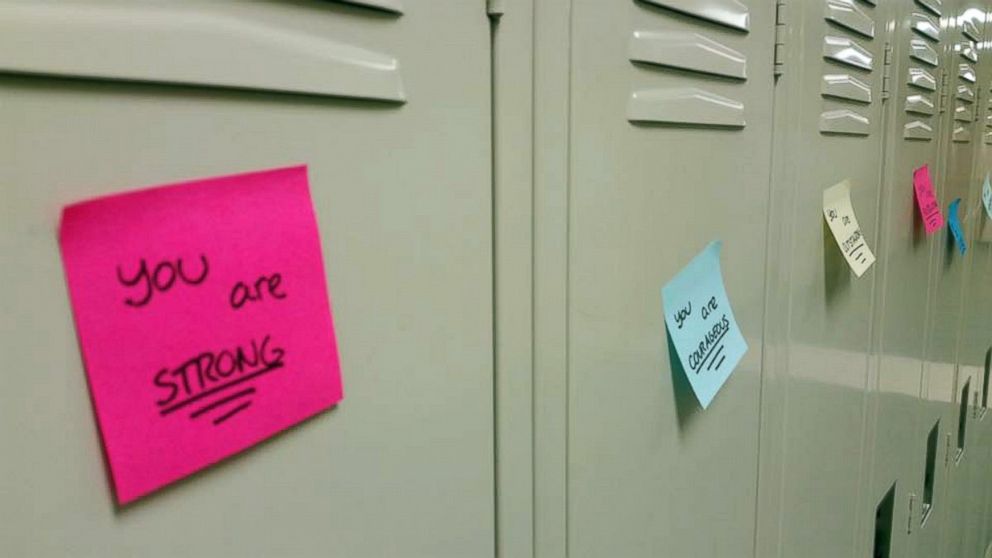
963	113
988	140
925	25
697	63
847	52
394	6
844	122
919	104
102	42
846	86
689	105
965	94
848	15
921	97
966	72
970	29
967	50
918	130
920	50
923	79
731	13
688	51
933	5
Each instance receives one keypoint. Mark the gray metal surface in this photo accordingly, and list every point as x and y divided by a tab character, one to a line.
685	162
815	401
500	201
404	465
899	429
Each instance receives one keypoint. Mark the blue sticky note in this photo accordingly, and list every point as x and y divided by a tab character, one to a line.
987	196
701	324
955	225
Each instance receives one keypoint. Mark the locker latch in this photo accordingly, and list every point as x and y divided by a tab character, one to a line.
886	70
495	8
779	63
942	97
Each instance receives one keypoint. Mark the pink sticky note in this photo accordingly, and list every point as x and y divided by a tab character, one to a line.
926	200
203	318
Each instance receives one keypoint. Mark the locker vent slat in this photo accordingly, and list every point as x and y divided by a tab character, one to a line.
845	121
686	69
921	78
917	130
687	51
103	42
848	15
731	13
847	51
846	86
846	23
919	104
684	105
935	6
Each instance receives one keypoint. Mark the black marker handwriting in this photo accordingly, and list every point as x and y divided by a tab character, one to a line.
160	279
682	314
242	294
210	372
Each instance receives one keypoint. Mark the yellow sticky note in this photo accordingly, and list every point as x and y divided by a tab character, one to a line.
839	213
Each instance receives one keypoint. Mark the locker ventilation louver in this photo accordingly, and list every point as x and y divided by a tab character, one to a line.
696	57
987	136
848	67
921	96
394	6
102	42
935	6
964	88
731	13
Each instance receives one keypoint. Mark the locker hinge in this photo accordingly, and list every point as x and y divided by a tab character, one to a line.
909	522
947	450
942	96
886	71
495	8
779	64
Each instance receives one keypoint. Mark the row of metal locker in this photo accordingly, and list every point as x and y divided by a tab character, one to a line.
853	426
502	188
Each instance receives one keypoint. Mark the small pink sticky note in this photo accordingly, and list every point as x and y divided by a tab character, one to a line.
203	319
926	200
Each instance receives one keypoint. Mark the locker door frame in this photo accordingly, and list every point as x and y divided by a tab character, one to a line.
513	65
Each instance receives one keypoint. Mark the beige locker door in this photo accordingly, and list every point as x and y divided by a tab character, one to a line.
828	106
404	465
945	379
670	132
976	326
900	425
